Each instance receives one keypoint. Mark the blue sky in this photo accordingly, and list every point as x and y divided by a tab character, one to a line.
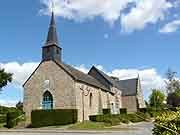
122	38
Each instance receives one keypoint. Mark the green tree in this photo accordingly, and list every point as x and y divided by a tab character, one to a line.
157	98
5	78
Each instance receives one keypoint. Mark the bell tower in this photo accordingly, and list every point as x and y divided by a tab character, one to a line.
51	49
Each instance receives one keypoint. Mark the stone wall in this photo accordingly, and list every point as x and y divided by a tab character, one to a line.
60	85
130	103
100	100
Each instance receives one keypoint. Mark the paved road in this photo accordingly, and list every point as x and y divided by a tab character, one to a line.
139	129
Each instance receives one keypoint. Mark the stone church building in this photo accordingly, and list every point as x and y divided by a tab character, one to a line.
56	85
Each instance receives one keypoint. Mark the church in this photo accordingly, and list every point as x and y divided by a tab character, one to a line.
56	85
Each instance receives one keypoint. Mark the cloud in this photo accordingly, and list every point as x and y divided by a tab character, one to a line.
149	77
170	27
8	103
20	71
109	10
145	12
132	14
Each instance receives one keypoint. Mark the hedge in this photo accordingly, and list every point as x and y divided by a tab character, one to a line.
123	111
143	110
12	118
119	118
40	118
106	111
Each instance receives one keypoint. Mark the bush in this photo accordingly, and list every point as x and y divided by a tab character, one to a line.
2	118
106	111
12	118
143	110
123	111
119	118
167	123
40	118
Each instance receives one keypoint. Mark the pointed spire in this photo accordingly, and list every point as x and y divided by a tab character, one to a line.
52	34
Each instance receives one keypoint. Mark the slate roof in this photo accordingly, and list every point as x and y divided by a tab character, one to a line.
52	38
82	77
128	87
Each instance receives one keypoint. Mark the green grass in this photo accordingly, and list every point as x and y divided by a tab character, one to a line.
89	125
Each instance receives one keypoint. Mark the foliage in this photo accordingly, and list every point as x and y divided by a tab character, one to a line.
3	112
19	106
173	89
167	123
123	110
156	99
106	111
173	99
172	83
13	118
5	78
119	118
40	118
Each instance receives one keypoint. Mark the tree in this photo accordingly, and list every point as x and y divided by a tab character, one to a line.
173	88
19	105
172	83
5	78
156	99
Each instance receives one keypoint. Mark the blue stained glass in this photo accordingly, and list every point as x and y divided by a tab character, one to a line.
47	101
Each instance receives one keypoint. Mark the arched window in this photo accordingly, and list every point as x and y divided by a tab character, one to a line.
90	100
47	102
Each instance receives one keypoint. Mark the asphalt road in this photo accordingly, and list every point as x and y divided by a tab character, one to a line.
139	129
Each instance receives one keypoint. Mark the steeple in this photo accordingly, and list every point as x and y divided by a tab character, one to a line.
51	49
52	34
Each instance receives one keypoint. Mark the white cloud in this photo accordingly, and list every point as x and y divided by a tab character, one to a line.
20	71
8	103
145	12
171	27
142	13
109	10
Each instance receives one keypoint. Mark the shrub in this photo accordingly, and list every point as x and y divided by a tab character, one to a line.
106	111
123	111
2	118
167	123
13	118
143	110
40	118
119	118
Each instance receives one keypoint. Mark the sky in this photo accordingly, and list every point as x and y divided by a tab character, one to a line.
123	38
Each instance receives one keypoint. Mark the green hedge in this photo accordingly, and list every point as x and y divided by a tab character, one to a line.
12	119
2	118
123	111
143	110
40	118
119	118
106	111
